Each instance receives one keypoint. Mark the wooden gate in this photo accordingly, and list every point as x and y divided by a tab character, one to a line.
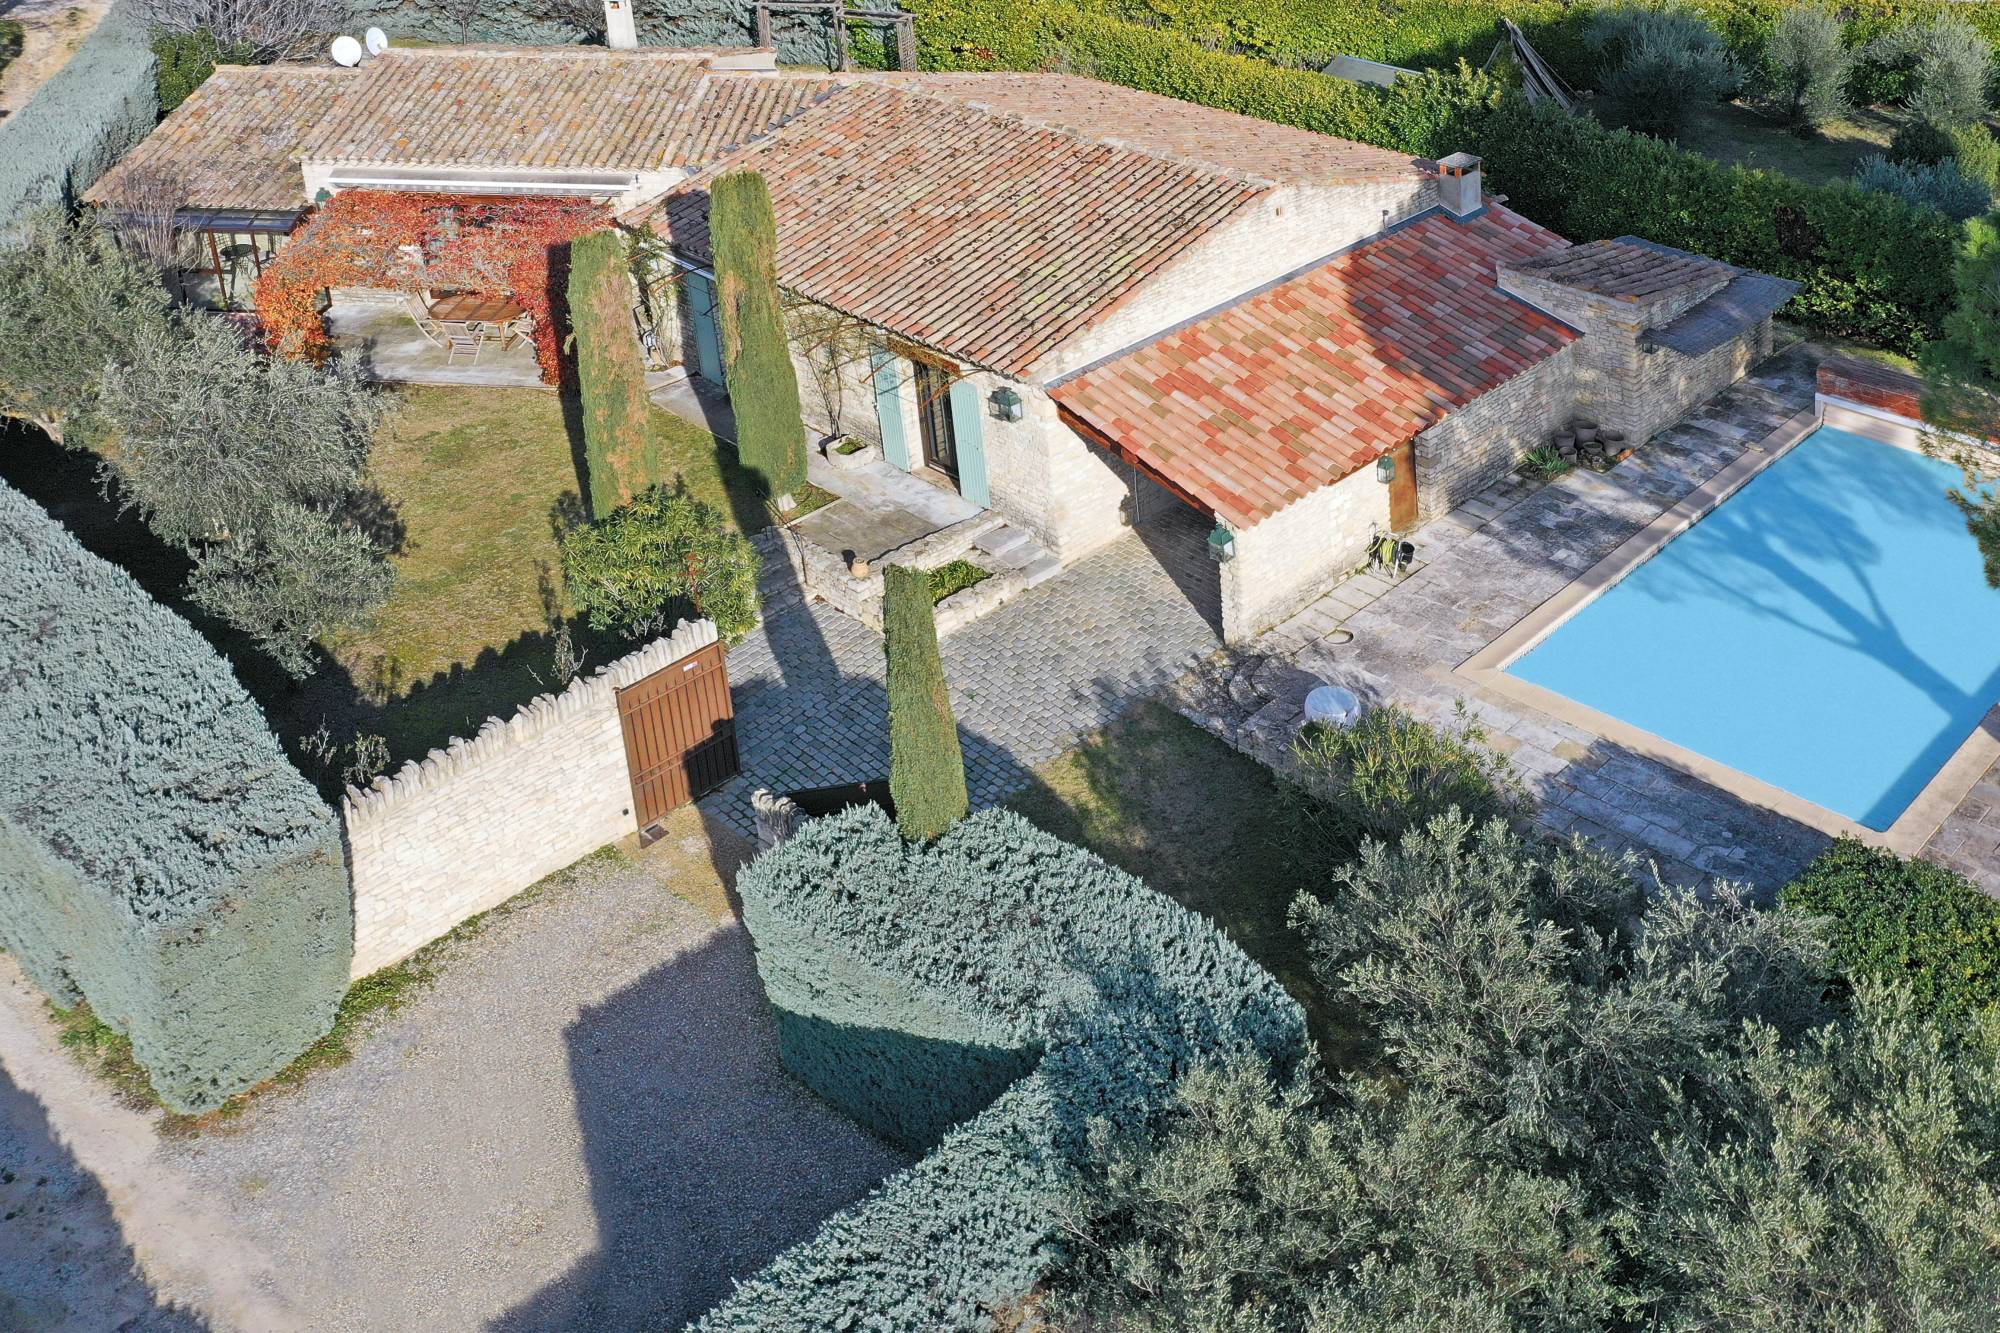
1403	489
680	734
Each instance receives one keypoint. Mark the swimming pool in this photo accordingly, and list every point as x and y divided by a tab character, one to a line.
1827	630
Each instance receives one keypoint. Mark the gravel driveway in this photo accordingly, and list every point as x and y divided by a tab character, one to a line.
582	1125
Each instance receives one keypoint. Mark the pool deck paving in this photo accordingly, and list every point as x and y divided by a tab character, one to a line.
1483	568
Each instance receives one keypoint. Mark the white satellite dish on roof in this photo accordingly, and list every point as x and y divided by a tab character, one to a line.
376	41
345	51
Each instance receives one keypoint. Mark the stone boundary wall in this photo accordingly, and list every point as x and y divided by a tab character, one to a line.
478	821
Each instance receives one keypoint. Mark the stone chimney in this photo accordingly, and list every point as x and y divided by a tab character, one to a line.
1459	185
620	32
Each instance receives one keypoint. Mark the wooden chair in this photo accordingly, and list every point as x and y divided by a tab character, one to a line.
420	315
459	344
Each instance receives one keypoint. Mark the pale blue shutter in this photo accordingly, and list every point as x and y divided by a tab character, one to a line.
968	425
707	359
889	406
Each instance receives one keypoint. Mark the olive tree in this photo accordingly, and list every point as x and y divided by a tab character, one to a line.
1660	61
1809	64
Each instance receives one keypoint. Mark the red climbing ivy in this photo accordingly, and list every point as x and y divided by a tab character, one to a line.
425	242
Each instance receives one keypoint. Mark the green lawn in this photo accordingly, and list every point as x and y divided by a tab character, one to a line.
480	481
1734	132
1156	795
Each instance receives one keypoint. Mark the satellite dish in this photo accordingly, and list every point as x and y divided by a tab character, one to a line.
376	41
345	51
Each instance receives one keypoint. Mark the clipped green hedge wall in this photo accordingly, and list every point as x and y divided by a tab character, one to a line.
79	122
1910	922
160	856
985	996
1873	267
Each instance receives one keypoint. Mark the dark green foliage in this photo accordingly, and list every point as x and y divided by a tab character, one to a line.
1908	922
664	556
12	38
621	455
756	355
1978	154
71	301
162	858
1872	266
1922	142
186	59
1660	61
1591	1112
1388	773
81	121
910	981
1962	384
926	766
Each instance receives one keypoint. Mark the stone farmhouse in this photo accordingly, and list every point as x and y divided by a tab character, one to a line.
1087	308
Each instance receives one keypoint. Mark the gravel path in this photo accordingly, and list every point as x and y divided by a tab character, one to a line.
583	1125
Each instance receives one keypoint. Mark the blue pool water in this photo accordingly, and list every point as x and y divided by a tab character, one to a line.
1827	629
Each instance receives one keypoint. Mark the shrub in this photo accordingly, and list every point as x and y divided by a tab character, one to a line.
162	858
656	560
1659	62
1978	154
955	577
186	59
621	455
926	767
1809	67
13	36
1921	142
987	996
99	104
1939	185
1388	773
1947	64
757	358
1906	922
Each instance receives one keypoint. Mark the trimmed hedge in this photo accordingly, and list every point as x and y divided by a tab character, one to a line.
81	121
1910	922
756	350
1872	266
985	996
621	457
161	857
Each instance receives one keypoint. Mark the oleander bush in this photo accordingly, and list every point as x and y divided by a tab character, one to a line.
161	857
1908	922
81	121
663	557
986	997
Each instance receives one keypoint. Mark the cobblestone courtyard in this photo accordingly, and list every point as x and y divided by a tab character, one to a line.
1028	680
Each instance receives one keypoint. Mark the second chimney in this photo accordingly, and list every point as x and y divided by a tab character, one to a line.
620	32
1459	188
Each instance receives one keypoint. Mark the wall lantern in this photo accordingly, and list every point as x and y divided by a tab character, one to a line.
1385	469
1006	405
1221	544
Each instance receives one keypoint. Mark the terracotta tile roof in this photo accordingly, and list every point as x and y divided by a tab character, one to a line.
732	109
1187	132
987	238
1297	386
235	140
1628	269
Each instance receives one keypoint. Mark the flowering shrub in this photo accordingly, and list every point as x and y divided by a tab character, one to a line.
425	242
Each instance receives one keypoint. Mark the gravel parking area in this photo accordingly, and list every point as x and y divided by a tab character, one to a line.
582	1125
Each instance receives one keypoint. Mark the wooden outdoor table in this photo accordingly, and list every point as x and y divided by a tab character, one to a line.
470	308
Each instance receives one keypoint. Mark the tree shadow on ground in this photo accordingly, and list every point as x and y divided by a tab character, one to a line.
705	1161
64	1263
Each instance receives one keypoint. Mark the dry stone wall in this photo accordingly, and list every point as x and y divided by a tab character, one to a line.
478	821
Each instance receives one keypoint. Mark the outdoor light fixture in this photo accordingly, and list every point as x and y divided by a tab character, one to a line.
1221	544
1385	469
1006	405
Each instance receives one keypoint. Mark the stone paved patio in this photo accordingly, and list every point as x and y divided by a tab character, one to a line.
1484	567
1028	680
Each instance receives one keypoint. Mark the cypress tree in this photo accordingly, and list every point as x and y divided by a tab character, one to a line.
756	355
620	455
926	768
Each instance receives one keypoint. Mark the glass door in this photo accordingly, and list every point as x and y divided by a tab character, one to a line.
934	415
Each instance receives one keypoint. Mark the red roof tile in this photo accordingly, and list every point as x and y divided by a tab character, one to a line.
983	236
1297	386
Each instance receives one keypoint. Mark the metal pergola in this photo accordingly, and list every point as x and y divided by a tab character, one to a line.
838	14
